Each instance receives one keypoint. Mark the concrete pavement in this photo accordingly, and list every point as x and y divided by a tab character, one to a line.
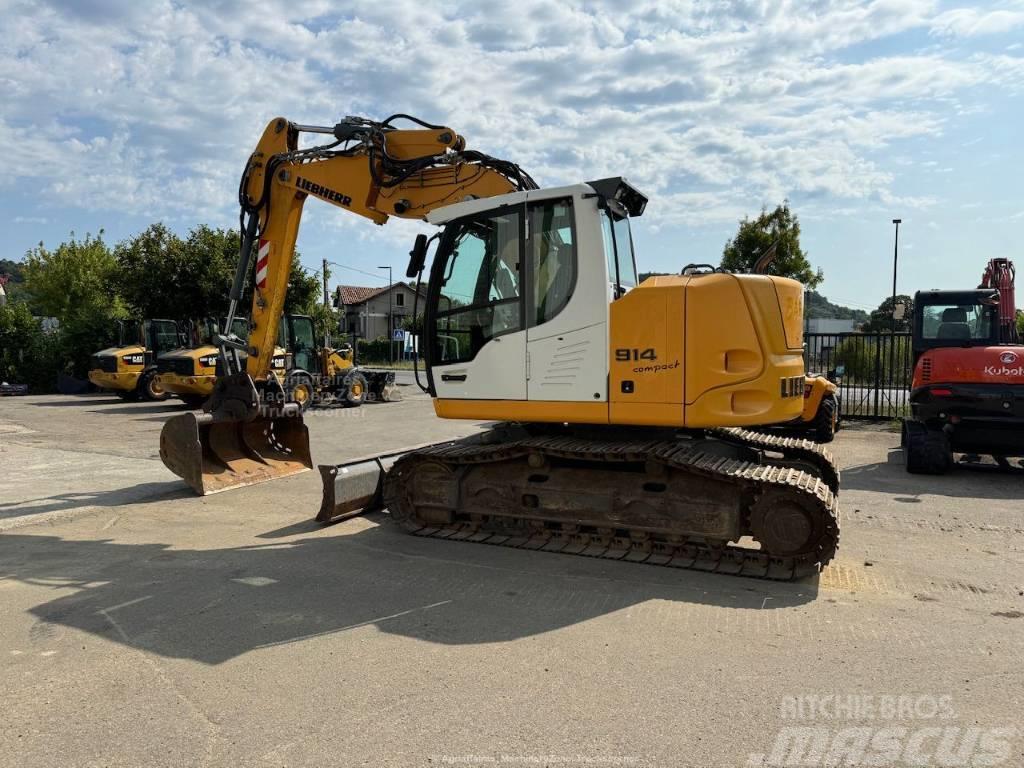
140	625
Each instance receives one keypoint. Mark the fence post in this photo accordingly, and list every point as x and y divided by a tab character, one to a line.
878	369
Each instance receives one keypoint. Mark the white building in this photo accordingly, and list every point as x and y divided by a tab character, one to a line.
829	325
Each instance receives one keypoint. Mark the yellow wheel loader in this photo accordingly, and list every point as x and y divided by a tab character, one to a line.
320	373
190	373
130	369
821	416
621	409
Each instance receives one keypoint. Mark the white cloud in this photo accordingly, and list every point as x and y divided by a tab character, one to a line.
970	22
151	108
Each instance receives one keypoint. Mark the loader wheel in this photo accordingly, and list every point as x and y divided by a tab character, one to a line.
149	386
926	451
300	390
355	391
826	420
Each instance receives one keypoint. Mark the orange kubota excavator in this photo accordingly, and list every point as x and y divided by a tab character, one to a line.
621	408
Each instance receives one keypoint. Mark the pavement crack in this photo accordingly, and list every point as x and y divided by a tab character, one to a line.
168	681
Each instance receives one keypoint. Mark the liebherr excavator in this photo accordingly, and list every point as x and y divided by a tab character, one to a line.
621	407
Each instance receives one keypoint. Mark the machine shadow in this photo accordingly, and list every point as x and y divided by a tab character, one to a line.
142	493
214	605
975	482
167	406
91	398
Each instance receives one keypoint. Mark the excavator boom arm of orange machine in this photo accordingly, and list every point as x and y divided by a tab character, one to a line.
249	432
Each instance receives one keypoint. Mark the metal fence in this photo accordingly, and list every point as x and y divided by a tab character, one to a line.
873	371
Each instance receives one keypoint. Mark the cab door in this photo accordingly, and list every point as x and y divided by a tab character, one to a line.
475	323
567	304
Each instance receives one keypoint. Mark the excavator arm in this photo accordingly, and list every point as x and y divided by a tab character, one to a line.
371	169
1000	274
249	432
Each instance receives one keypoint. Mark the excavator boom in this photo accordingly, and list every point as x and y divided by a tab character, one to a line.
249	431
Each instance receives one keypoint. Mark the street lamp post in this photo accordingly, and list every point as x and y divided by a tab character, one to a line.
895	256
391	343
892	338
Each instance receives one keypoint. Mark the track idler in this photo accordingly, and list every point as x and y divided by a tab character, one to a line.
237	442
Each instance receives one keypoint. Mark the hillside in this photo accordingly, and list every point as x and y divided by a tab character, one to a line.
816	305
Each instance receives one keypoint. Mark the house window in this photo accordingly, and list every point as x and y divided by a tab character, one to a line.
399	299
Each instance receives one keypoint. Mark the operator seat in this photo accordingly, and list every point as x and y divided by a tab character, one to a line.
505	316
954	325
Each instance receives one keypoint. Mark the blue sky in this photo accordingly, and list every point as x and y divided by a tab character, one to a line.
118	113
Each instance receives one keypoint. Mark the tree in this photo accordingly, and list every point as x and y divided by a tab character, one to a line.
18	332
780	227
881	318
76	284
866	357
163	275
14	269
305	291
11	278
816	305
1020	324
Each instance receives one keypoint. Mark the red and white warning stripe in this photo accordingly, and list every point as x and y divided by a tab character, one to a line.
262	264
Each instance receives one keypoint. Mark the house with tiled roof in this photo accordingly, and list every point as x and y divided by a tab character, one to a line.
370	313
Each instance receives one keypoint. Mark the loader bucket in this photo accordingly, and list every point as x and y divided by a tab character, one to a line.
215	454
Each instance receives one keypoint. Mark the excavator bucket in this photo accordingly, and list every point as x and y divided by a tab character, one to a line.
214	454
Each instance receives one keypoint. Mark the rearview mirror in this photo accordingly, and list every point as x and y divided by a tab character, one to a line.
899	311
417	256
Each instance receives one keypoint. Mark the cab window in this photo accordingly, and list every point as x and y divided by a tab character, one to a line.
618	251
163	336
480	279
552	258
624	252
303	345
955	322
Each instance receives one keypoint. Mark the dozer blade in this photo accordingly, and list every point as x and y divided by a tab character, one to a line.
215	454
354	487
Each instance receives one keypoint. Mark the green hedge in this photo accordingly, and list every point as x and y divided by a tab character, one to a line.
27	355
376	351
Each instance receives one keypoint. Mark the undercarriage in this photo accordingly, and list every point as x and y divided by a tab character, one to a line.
726	500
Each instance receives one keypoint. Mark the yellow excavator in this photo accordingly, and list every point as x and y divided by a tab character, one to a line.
621	408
